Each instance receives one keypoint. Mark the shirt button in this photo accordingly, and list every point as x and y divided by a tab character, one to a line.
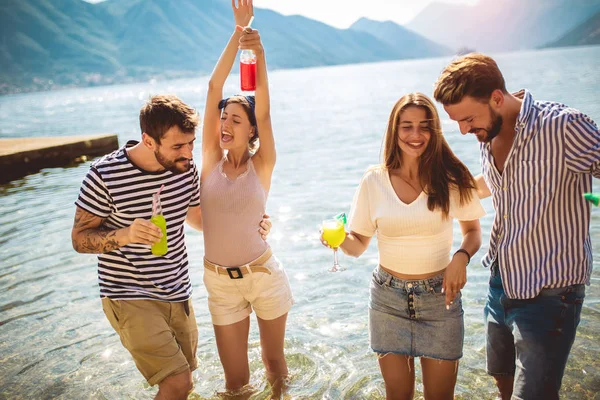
504	188
505	216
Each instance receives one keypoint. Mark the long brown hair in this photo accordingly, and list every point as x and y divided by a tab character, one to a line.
439	169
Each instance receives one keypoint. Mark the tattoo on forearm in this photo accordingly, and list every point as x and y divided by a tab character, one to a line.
101	240
92	237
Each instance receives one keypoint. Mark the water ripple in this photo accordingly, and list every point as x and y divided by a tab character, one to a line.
19	303
49	295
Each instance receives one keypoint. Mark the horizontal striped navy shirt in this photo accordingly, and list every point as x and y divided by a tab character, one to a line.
120	192
540	234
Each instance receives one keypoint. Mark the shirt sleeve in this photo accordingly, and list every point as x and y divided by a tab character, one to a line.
93	195
195	199
361	220
468	211
582	145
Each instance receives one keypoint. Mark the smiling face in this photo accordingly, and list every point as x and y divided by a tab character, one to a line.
236	129
476	117
413	131
174	152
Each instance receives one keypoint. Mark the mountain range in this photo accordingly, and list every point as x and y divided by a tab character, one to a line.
52	43
585	34
502	25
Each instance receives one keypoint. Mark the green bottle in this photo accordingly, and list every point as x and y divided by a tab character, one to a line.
160	248
592	198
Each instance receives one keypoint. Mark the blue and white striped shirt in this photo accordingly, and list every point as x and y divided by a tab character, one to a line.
540	234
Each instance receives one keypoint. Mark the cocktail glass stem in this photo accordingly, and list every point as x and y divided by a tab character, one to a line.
336	266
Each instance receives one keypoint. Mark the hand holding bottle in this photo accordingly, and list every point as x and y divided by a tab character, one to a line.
161	247
250	40
250	45
143	231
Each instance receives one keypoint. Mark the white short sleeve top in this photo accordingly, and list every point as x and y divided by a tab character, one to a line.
411	238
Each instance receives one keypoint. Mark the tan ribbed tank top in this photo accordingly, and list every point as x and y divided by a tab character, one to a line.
231	213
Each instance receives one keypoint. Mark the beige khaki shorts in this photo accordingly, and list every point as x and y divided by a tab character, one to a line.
231	297
162	337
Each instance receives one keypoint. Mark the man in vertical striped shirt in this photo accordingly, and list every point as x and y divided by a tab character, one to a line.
537	158
147	298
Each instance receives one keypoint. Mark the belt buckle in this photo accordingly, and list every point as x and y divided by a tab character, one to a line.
237	270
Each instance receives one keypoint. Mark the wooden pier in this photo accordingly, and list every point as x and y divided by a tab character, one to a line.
22	156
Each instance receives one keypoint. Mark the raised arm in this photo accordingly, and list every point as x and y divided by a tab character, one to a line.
263	101
266	154
211	131
89	235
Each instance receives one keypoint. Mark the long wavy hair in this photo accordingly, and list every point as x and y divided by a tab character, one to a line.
439	169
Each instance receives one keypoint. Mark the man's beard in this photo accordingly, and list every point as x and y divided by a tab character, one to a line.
175	166
493	130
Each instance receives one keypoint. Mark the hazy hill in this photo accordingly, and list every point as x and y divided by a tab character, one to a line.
71	42
587	33
57	35
501	25
50	43
411	44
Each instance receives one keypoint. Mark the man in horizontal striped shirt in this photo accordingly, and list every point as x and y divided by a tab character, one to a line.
537	158
147	298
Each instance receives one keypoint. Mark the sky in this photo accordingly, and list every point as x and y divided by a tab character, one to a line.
343	13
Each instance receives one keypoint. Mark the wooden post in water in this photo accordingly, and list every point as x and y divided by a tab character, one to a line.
22	156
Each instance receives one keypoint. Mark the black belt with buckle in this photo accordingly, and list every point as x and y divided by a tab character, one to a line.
237	270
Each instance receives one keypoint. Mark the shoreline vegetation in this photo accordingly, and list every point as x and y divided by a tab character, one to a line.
35	84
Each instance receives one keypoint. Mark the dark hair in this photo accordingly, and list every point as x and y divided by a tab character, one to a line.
162	112
247	103
439	169
475	75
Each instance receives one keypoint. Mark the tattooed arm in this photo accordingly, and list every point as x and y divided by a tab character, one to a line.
90	236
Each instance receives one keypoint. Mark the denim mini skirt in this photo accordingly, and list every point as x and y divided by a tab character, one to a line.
409	317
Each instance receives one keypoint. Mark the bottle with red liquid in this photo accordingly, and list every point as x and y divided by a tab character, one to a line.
248	71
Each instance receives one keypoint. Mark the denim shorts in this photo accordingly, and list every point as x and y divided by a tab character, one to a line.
409	317
530	339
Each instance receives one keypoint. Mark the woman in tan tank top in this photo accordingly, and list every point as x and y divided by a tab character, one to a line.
241	274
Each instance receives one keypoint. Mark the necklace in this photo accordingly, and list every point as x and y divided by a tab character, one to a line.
410	184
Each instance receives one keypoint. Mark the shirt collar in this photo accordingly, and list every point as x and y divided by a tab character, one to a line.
522	118
526	106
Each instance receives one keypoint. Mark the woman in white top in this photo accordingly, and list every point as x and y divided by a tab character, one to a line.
410	202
